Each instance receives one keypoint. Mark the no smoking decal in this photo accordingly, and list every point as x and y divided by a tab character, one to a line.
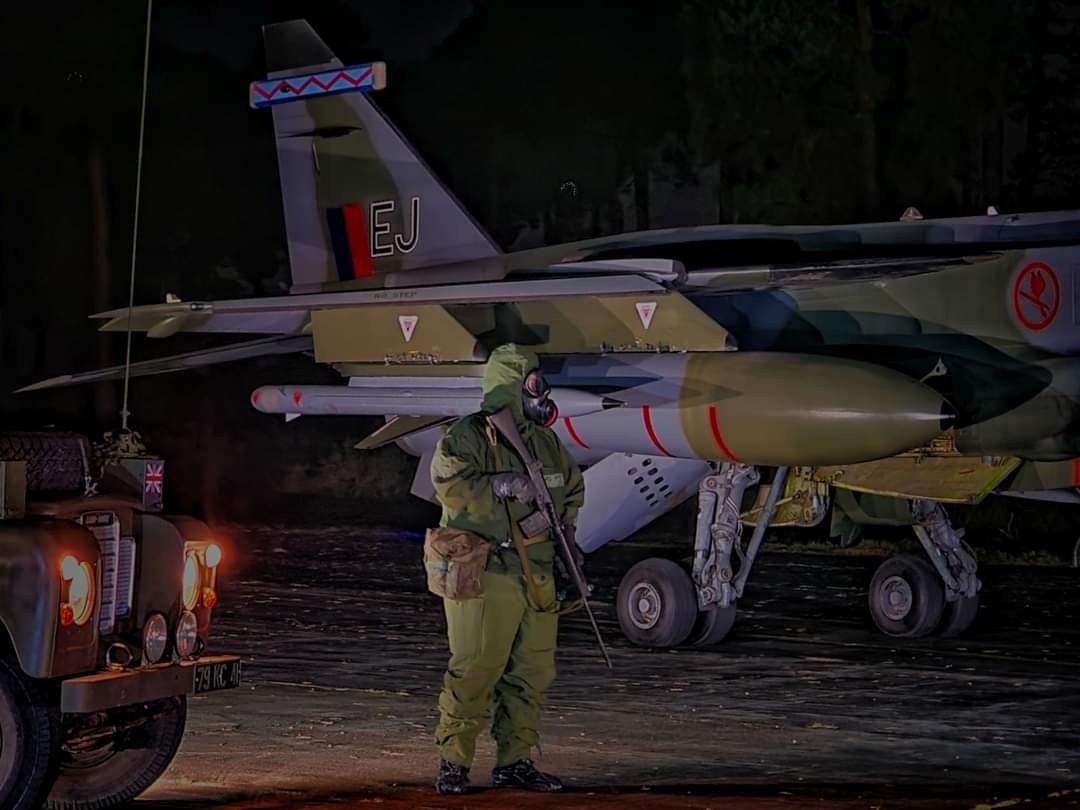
1036	296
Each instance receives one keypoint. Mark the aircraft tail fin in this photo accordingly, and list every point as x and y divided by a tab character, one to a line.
360	205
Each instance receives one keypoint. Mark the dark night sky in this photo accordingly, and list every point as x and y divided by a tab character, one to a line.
562	120
402	31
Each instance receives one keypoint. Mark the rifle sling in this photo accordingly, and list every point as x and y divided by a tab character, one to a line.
521	543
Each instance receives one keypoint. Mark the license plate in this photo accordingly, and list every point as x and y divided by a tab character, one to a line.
215	676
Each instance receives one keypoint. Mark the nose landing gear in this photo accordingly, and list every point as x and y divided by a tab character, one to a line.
659	605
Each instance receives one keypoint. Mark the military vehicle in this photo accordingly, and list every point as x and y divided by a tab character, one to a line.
105	613
901	364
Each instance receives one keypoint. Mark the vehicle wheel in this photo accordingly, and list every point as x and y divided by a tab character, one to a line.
94	778
958	616
657	604
29	740
713	625
907	597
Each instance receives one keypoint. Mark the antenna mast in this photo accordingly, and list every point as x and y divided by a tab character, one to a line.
135	229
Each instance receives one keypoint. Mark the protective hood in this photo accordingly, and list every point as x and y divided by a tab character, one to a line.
504	374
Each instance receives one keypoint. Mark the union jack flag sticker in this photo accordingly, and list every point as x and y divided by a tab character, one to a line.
154	479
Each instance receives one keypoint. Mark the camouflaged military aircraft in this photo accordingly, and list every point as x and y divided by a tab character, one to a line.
899	365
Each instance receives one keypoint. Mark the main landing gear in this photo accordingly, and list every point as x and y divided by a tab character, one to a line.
912	597
661	605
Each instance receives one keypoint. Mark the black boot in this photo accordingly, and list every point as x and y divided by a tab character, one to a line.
524	776
453	780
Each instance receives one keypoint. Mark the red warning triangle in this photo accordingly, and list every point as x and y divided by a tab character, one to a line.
645	311
408	325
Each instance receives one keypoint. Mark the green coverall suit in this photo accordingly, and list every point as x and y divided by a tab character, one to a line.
502	647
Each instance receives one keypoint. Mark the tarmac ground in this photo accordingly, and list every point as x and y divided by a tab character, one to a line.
804	705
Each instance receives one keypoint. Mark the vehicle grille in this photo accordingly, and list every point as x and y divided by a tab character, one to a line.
117	568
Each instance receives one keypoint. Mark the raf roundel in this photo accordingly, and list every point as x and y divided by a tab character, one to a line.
1036	296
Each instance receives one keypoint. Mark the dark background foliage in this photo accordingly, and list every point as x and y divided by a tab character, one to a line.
552	121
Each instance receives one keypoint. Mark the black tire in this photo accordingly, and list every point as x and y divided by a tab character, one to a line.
712	625
122	775
958	616
657	605
29	740
54	461
907	597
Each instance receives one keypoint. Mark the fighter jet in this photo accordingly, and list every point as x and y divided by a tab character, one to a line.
899	365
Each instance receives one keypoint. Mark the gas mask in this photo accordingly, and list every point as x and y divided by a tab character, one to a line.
535	400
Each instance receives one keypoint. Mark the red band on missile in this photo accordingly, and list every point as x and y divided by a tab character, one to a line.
573	433
359	249
718	437
646	417
1076	472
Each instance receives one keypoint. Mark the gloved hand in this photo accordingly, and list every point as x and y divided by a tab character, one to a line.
513	485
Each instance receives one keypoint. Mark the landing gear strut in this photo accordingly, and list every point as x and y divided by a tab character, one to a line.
718	536
660	606
912	598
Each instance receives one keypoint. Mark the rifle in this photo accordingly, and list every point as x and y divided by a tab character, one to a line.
503	421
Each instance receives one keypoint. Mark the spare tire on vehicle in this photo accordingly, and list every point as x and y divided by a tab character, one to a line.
55	462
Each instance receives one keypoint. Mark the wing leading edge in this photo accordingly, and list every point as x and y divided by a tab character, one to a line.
288	344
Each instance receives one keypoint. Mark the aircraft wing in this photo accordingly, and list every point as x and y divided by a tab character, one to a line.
814	274
290	314
287	344
399	427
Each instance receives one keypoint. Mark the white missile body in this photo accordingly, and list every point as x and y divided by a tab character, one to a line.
444	399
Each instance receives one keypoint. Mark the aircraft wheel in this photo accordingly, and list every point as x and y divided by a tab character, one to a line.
657	605
29	740
713	625
907	597
958	616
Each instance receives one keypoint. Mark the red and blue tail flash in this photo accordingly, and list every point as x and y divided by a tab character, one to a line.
349	240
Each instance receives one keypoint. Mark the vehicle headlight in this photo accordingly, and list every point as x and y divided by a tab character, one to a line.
192	581
187	634
155	639
78	607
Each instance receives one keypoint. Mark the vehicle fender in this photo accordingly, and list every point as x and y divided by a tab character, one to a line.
159	570
30	592
197	534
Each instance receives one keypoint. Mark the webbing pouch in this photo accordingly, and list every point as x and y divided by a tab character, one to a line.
454	561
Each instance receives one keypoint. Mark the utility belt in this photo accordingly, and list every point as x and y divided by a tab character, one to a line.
521	545
455	560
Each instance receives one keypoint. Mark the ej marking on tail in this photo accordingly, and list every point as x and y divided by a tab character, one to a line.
384	242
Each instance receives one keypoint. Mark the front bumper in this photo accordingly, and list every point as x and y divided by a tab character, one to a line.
108	690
